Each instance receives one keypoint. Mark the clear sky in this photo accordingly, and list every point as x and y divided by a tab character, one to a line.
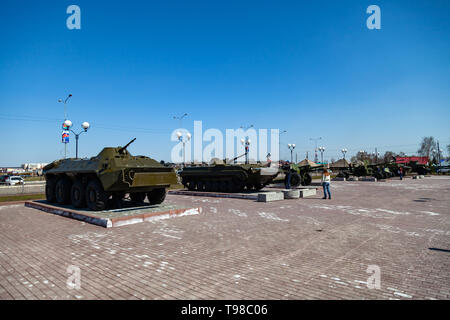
312	68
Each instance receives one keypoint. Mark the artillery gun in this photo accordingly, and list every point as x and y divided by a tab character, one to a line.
106	178
225	177
300	174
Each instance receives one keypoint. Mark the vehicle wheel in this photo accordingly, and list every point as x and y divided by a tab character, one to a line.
191	185
201	186
306	179
62	190
117	199
156	196
138	197
215	186
237	185
96	197
230	186
50	190
295	179
258	186
223	186
78	194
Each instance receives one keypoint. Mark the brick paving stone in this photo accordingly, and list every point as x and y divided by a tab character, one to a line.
242	249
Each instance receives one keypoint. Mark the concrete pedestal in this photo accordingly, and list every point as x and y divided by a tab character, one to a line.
116	217
307	193
368	179
291	194
270	196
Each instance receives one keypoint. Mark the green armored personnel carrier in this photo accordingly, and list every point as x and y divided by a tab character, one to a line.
225	177
106	178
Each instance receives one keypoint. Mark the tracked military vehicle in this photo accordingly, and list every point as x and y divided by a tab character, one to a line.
225	177
105	179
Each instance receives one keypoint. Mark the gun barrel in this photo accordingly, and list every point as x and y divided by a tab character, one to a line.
235	158
126	146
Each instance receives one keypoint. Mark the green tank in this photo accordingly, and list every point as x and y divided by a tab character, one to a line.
223	177
104	180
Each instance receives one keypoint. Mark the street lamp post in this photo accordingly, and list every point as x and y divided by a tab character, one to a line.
291	147
246	142
315	150
362	154
376	154
65	119
321	149
344	151
85	125
184	140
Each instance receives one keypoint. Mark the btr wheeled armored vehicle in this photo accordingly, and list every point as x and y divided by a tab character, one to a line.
106	179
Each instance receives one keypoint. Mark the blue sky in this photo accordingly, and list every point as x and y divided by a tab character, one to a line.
309	67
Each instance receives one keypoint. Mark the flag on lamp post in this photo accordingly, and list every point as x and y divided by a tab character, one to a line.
65	136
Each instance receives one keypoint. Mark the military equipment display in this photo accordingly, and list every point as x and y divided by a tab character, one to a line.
379	171
106	178
225	177
300	173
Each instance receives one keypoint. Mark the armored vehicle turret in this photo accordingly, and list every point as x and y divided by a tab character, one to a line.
106	178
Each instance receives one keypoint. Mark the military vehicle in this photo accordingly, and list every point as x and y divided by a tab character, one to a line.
226	177
358	169
105	179
419	168
379	171
300	174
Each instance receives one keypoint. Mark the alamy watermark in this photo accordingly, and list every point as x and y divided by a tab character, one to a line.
74	20
374	280
374	20
191	147
74	279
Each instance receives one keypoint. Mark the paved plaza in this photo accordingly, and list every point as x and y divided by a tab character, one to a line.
242	249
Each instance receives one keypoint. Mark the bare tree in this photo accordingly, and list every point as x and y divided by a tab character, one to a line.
448	148
427	146
388	156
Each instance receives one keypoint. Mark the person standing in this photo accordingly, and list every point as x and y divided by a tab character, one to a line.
287	179
326	179
400	173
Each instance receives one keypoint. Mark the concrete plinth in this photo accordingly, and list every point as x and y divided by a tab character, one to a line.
308	192
270	196
373	179
117	217
242	195
291	193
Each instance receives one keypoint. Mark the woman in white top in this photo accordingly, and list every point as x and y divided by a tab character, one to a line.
326	179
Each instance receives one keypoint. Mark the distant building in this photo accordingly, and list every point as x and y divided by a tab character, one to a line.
24	169
33	166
